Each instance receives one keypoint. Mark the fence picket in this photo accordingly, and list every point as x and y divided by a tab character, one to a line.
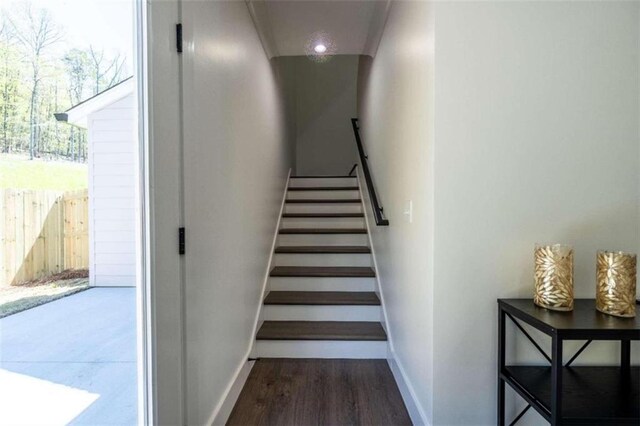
42	233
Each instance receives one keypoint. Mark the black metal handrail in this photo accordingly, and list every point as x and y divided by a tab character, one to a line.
378	212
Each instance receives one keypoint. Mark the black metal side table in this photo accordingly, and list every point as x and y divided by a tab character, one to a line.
566	395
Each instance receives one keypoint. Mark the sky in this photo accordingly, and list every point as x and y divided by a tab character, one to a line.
105	24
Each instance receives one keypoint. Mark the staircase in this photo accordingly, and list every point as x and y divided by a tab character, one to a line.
321	301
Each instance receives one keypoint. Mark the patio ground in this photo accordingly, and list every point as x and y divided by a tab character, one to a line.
72	360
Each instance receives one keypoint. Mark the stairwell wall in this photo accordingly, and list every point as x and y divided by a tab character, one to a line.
236	159
537	140
395	108
321	98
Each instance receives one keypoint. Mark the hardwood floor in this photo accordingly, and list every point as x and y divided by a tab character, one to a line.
304	392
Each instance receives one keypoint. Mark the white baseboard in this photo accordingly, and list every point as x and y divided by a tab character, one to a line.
223	410
416	412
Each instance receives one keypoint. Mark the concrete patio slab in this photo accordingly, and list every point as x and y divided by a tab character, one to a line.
79	351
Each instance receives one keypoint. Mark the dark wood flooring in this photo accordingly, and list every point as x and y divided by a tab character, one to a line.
306	392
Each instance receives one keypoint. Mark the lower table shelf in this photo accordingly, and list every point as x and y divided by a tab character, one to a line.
591	395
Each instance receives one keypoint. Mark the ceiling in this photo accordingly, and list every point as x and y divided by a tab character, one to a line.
289	27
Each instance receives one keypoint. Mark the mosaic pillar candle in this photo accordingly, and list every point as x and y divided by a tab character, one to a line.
616	283
553	277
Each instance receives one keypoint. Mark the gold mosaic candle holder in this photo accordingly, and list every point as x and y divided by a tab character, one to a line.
616	284
553	277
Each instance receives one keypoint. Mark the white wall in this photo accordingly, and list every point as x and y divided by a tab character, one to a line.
537	124
236	160
323	98
395	107
112	184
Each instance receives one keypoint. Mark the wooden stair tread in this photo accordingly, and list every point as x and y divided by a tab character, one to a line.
322	231
323	188
322	298
323	200
323	271
323	249
321	330
321	215
322	177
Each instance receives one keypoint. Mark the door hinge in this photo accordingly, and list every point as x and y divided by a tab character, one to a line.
181	241
179	38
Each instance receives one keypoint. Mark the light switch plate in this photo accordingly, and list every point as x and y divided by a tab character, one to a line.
408	211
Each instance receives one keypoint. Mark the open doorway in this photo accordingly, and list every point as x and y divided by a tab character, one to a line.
72	288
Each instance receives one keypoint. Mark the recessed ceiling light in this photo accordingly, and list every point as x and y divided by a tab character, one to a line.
320	48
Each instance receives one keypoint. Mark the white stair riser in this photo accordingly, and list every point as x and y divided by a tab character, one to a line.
298	183
324	259
322	239
321	313
329	222
321	349
323	208
321	284
341	195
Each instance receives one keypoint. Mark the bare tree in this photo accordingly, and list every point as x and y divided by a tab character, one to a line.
79	69
36	32
7	37
106	72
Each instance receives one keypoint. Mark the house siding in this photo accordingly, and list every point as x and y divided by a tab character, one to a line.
112	194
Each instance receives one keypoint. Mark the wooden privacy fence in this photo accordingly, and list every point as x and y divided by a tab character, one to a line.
42	233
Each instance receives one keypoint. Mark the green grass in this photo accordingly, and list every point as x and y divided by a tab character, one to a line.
18	172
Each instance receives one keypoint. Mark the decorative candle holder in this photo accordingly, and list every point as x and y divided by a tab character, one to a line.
553	277
616	283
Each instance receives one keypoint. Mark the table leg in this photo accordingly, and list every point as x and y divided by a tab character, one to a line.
625	357
501	364
556	380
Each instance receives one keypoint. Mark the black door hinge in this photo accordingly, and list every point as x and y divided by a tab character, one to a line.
179	38
181	241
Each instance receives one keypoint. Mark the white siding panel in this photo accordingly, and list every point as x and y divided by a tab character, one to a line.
113	170
114	259
115	225
115	182
115	281
113	205
106	269
114	123
115	158
111	191
113	148
116	114
112	136
110	247
111	214
114	236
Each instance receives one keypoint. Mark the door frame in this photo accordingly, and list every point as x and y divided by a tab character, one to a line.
144	306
